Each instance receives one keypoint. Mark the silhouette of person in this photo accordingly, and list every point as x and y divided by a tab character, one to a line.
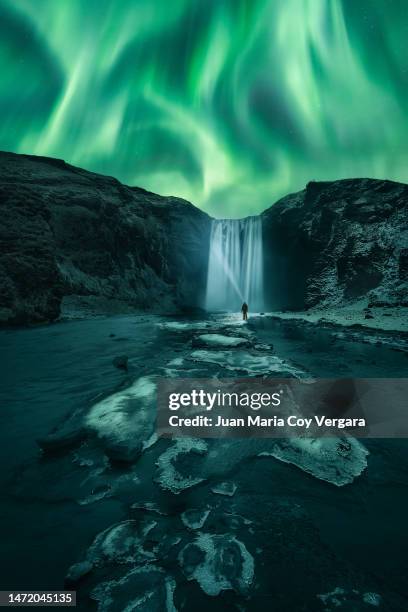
244	310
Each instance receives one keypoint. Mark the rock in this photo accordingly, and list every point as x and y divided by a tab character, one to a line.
263	347
194	518
77	571
121	362
67	434
122	543
124	552
218	563
124	421
67	232
218	340
176	362
147	507
349	599
335	460
225	488
368	315
243	361
336	242
143	589
170	477
96	494
182	326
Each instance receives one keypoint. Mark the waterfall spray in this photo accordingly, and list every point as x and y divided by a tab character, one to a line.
235	267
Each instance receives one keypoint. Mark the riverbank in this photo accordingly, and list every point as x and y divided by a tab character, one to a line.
388	319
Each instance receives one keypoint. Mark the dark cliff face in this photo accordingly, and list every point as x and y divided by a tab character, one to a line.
65	231
337	242
68	232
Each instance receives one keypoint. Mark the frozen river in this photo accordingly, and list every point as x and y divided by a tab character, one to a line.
190	523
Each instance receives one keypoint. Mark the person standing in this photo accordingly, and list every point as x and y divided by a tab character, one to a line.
244	310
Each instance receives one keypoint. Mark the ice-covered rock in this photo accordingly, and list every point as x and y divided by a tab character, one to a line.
177	362
218	563
96	495
347	599
78	571
121	543
184	326
147	507
194	518
225	488
169	463
335	460
143	589
372	599
124	421
219	340
243	361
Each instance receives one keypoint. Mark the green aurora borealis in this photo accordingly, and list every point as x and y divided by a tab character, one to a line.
228	103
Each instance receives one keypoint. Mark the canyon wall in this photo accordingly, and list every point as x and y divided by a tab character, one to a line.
67	233
70	238
337	242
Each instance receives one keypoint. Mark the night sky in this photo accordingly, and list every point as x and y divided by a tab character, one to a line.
228	103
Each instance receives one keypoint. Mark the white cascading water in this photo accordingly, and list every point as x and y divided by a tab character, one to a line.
235	266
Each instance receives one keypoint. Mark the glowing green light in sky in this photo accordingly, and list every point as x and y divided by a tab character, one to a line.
228	103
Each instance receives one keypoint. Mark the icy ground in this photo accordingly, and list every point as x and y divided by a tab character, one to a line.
139	523
359	314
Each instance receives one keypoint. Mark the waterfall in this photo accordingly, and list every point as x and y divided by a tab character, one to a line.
235	266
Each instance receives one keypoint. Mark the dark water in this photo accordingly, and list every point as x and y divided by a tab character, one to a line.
49	372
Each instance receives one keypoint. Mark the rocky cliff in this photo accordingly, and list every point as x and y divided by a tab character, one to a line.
67	232
68	235
338	242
